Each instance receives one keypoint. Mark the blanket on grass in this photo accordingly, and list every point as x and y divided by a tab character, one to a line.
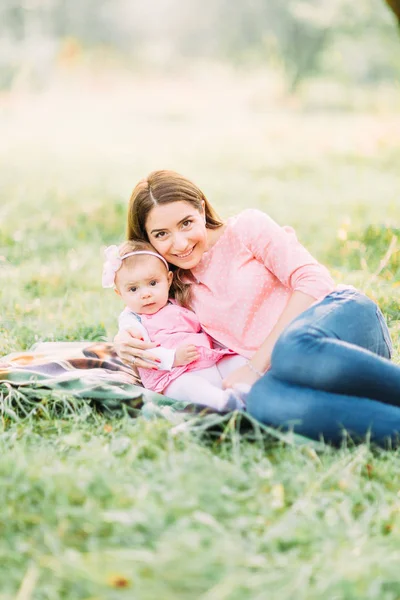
80	370
59	378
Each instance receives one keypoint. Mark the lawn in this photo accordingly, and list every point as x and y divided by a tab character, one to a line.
93	507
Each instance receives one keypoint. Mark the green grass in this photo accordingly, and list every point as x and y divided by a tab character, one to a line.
92	508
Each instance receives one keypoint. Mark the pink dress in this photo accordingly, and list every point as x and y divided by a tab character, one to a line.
243	283
173	326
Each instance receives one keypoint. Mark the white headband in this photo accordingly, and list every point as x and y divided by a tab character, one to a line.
113	263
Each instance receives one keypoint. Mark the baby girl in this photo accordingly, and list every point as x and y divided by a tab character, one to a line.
188	366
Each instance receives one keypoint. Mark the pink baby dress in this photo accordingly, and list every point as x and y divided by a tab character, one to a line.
174	326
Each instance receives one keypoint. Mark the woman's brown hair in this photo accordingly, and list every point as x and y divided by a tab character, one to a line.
165	187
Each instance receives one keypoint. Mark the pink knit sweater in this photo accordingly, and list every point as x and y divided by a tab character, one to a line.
245	280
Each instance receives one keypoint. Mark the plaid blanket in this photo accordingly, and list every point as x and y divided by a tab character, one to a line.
84	370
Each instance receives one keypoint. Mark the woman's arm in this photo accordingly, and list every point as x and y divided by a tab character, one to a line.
133	350
261	360
130	347
279	250
298	303
132	342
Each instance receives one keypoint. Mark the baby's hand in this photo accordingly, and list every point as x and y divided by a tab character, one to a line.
185	355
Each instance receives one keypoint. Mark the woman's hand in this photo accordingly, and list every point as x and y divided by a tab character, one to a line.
242	375
184	355
130	347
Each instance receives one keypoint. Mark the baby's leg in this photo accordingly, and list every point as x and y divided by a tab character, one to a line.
193	387
230	363
211	374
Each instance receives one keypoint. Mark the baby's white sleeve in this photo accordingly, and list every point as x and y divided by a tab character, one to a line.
127	320
167	357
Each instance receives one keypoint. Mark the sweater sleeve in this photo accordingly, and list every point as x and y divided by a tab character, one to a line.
280	251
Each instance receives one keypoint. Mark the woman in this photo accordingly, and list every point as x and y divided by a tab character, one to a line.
317	355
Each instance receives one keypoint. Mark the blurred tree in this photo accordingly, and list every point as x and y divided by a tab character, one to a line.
303	37
394	5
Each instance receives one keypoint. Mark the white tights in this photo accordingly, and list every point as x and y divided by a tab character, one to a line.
205	386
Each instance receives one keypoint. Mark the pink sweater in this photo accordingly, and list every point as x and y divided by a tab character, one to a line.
245	280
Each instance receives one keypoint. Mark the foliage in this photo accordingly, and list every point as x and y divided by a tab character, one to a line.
375	249
300	37
110	509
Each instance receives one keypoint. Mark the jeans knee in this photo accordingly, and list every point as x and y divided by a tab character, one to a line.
293	349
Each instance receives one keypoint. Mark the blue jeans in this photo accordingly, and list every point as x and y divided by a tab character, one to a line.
331	371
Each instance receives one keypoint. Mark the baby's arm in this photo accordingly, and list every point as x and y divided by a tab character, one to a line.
184	355
127	320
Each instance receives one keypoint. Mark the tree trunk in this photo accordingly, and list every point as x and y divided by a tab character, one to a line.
394	6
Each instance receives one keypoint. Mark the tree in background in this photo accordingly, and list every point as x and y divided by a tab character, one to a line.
394	5
302	38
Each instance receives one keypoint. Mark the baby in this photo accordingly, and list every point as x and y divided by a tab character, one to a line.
189	368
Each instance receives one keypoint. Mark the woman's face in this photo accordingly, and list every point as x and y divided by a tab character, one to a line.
178	232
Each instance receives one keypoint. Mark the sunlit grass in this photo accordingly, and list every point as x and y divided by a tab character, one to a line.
99	508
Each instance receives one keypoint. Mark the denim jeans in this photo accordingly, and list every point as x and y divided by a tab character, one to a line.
330	372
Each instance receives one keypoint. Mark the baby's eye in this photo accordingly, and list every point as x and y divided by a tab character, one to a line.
132	289
153	283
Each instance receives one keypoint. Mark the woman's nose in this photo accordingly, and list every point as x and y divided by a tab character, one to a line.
180	242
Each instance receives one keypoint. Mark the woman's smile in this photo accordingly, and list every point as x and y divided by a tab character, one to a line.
186	254
178	232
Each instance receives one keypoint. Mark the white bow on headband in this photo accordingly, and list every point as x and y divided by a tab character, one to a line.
113	263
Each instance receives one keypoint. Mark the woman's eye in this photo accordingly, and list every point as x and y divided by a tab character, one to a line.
186	223
160	234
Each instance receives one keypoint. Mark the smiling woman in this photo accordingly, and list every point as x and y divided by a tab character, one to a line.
317	357
177	231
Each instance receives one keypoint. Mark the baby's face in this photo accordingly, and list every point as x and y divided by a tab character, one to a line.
143	283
